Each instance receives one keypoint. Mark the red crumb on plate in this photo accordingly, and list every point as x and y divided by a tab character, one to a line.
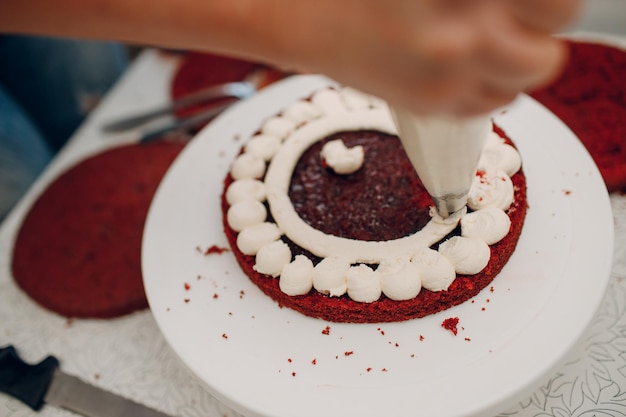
215	249
450	324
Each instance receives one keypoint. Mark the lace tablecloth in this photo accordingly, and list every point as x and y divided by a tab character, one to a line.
129	356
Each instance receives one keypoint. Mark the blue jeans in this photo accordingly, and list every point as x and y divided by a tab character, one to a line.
47	87
23	152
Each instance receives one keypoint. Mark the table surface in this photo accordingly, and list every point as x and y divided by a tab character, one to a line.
129	356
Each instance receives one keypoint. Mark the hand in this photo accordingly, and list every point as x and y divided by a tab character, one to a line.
455	56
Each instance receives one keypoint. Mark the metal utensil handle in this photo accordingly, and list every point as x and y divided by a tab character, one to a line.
239	89
187	123
27	383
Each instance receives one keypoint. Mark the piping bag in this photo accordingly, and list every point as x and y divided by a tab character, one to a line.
445	151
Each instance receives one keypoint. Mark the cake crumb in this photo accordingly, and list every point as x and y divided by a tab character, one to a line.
467	339
369	369
187	286
186	300
314	361
567	192
224	336
214	249
421	338
450	324
326	330
241	294
293	374
348	353
384	370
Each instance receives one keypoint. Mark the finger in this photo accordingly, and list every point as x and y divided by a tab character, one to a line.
545	15
519	58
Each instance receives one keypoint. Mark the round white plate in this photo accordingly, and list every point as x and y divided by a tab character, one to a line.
263	360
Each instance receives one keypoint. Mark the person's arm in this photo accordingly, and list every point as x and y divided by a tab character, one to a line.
458	56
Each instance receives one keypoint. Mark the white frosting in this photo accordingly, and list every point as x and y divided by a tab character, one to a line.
244	189
355	99
469	256
247	165
340	158
263	146
329	102
406	264
251	239
400	279
502	156
363	284
272	258
246	213
436	271
490	225
296	277
277	126
301	112
329	276
494	139
492	188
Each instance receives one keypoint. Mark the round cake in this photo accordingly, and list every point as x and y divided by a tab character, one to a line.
326	215
78	250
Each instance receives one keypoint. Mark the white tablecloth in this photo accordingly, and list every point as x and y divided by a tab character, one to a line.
129	356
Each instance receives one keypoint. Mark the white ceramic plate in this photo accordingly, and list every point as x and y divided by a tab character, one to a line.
263	360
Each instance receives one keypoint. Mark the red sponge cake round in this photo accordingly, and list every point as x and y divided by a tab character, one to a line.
78	250
326	215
